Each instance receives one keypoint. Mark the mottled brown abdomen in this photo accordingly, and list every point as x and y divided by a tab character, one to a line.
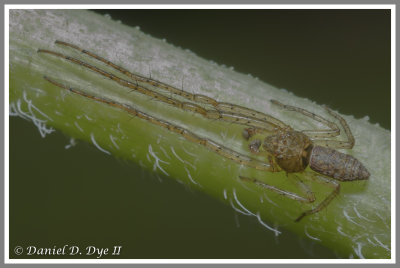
337	165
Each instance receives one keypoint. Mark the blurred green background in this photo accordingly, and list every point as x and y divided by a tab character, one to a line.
82	197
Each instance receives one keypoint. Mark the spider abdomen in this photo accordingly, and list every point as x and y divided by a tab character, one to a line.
337	165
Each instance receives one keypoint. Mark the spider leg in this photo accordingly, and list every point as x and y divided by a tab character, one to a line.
309	196
333	130
194	97
347	144
233	108
326	181
207	113
320	133
188	135
220	106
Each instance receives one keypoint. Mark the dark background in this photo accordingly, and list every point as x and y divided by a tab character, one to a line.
83	197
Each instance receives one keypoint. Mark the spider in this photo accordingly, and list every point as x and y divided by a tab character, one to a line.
285	149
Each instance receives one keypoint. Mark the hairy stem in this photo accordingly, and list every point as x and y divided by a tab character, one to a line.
356	224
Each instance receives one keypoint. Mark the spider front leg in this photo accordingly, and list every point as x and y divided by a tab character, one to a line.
250	113
139	78
219	106
213	114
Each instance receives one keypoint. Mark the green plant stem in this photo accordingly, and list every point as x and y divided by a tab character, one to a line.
357	224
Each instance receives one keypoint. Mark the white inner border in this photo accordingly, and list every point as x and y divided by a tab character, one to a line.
170	261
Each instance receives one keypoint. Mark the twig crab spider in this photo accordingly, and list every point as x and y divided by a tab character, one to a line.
286	149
